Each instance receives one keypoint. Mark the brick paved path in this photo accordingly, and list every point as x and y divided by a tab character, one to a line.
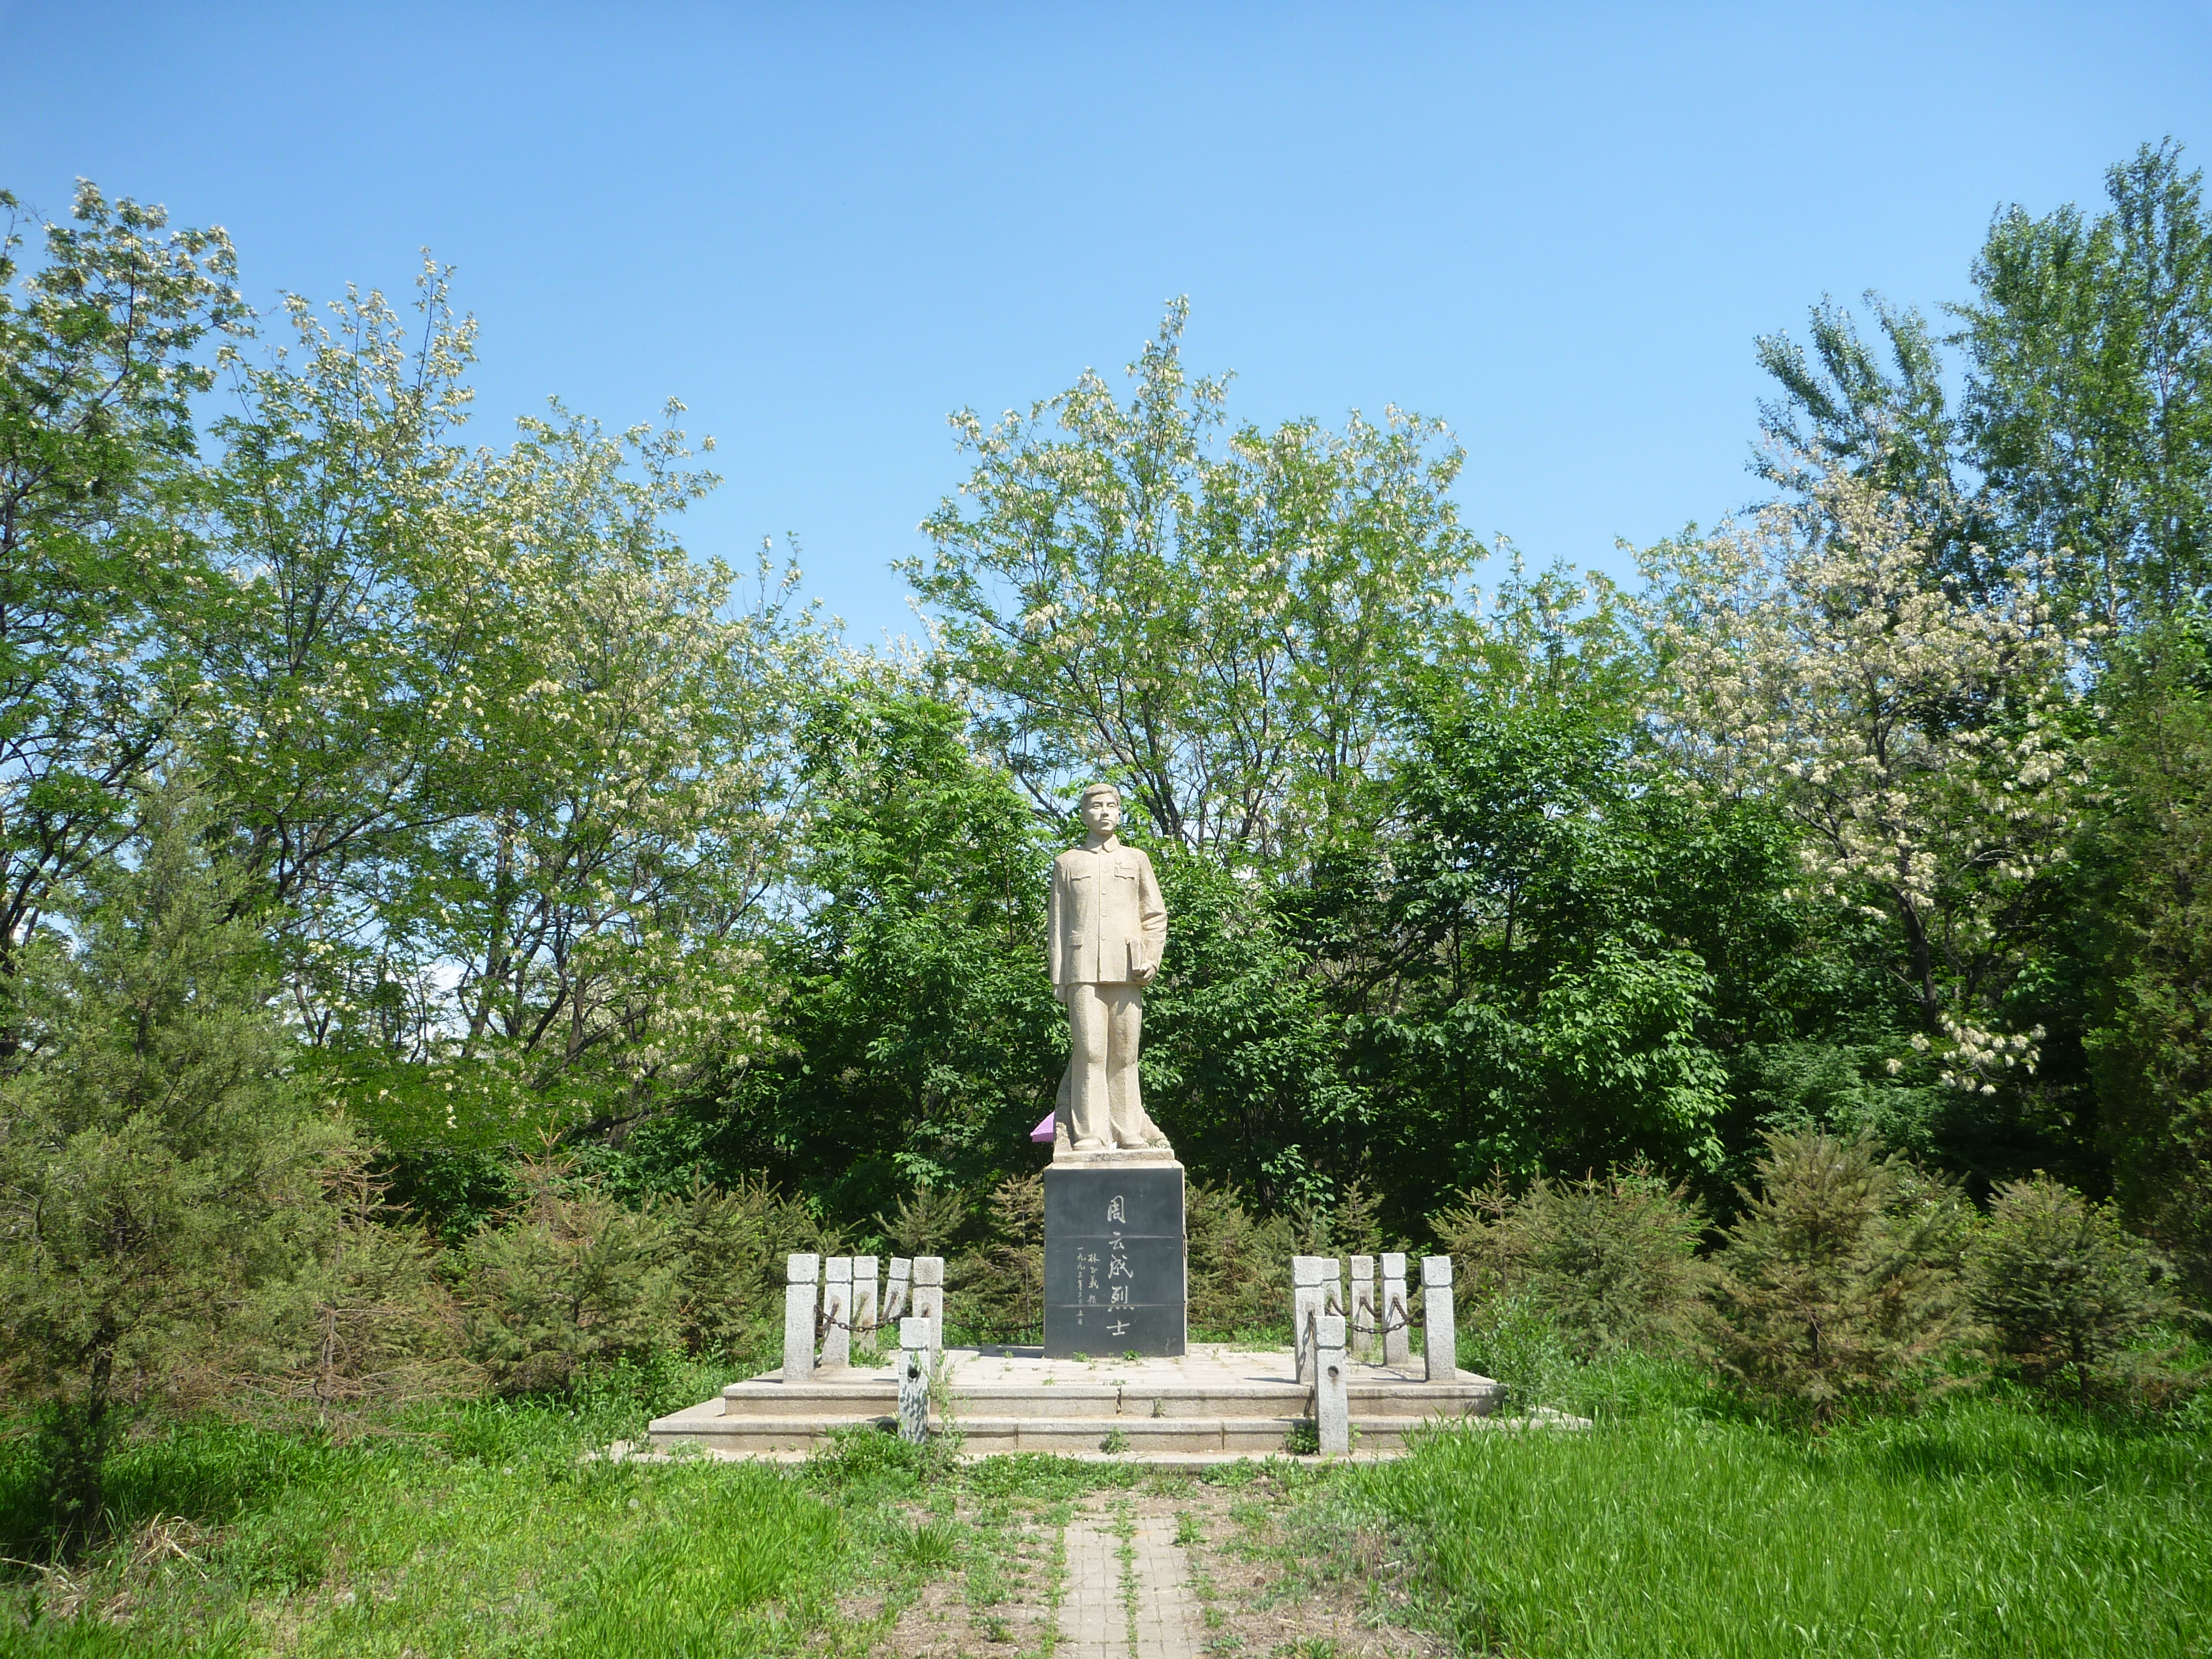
1167	1613
1094	1618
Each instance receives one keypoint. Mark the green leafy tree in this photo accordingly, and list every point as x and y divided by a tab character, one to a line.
1243	1062
99	365
2081	444
2146	949
1219	624
503	754
337	657
919	1041
2089	404
602	896
156	1159
1889	424
506	762
1562	954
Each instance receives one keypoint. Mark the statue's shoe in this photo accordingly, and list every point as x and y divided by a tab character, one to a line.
1092	1144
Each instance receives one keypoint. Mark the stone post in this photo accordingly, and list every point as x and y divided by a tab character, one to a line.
837	1312
894	1295
1397	1339
929	1297
1363	1309
1332	1403
1441	1340
798	1317
866	1301
916	1362
1307	1304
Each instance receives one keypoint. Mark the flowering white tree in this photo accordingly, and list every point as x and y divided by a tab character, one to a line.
1918	734
509	762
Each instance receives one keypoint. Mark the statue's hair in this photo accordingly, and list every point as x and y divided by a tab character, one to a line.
1091	789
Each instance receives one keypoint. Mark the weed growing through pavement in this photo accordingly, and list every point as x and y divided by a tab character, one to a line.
1125	1528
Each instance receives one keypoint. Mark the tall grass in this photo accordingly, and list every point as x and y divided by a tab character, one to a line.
470	1528
1982	1527
1986	1526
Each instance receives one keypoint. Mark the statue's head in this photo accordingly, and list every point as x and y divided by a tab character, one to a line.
1101	809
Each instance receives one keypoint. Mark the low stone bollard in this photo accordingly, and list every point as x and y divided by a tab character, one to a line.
1364	1326
1438	1336
1397	1336
929	1297
1308	1303
917	1359
1331	1400
895	1295
865	1299
798	1290
837	1312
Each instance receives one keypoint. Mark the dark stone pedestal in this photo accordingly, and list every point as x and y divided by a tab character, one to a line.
1114	1261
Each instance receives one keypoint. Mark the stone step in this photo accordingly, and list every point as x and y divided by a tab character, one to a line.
1472	1395
1141	1438
1217	1402
1145	1438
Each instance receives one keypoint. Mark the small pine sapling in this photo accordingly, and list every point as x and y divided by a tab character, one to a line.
1840	1279
2063	1285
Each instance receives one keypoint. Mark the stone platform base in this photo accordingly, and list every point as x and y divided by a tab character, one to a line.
1213	1404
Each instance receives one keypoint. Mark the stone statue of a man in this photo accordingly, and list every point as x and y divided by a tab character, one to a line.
1107	928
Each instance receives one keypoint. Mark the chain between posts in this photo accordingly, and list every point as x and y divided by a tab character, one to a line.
1399	1321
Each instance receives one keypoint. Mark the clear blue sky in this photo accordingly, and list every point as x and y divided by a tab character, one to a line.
1559	228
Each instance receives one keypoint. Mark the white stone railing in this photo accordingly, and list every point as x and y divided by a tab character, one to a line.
826	1302
1380	1326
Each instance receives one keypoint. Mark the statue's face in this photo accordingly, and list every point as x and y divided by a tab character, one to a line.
1102	812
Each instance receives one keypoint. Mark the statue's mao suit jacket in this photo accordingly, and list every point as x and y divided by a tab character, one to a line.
1108	924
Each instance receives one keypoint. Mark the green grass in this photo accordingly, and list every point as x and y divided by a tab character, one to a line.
479	1529
1987	1525
1980	1526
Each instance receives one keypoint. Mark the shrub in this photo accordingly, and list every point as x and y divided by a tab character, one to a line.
927	1222
570	1279
365	1319
726	1251
1513	1339
1610	1261
1240	1264
998	1285
1841	1276
2062	1284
